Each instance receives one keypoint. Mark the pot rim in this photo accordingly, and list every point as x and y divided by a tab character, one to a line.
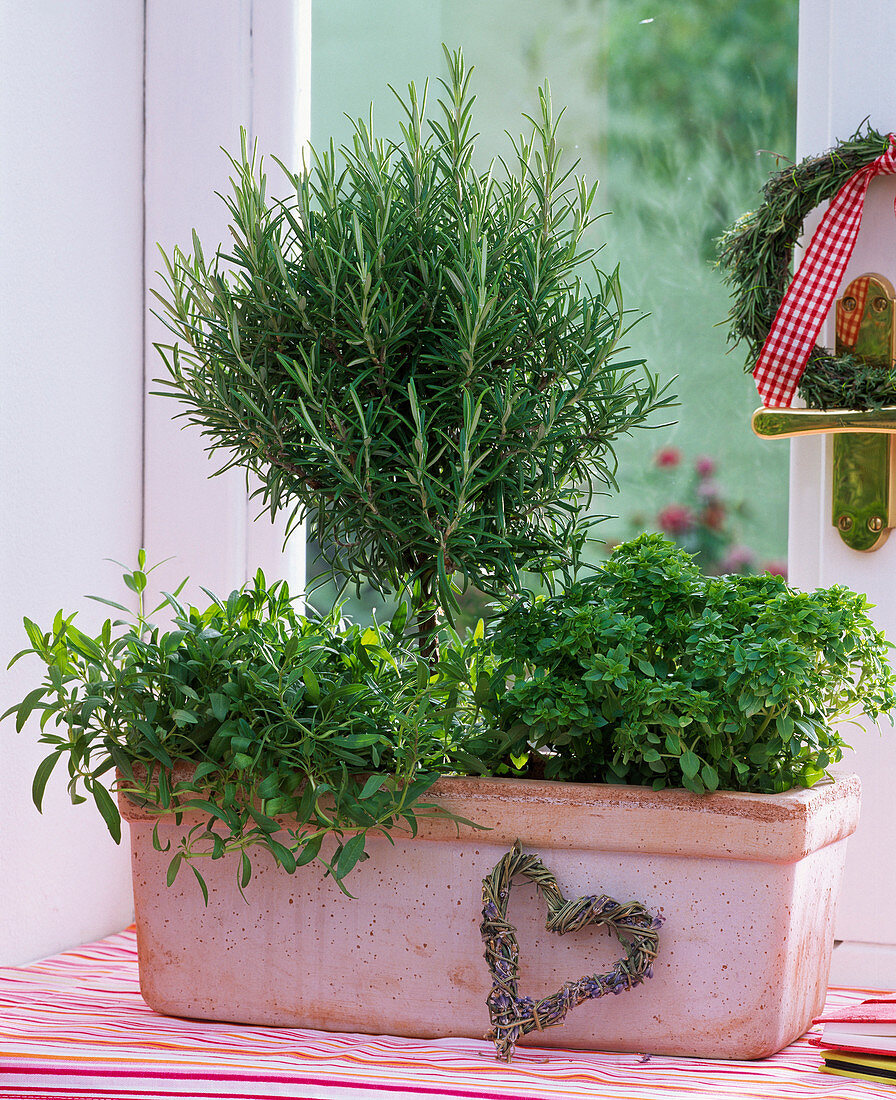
541	813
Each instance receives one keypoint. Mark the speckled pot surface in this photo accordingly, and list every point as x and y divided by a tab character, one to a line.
747	886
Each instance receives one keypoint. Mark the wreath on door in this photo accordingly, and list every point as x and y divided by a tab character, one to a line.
755	255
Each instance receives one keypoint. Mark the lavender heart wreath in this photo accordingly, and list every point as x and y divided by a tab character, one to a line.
513	1016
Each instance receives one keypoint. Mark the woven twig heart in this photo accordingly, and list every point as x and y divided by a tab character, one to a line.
513	1016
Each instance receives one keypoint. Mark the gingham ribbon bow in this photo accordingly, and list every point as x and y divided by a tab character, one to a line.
802	312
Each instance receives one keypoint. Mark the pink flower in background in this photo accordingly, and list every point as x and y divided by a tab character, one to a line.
677	519
700	517
737	558
668	456
713	515
709	490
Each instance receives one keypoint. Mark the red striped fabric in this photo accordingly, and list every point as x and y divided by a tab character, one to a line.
74	1026
802	312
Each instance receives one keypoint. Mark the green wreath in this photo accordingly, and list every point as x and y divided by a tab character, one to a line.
755	255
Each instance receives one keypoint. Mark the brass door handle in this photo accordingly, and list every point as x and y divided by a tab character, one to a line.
786	423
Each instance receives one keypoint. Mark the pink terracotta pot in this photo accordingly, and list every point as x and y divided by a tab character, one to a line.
747	886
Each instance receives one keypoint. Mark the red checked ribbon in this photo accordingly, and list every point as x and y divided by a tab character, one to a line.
802	312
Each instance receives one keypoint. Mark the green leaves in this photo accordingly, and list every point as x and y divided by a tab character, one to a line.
41	776
24	709
351	852
405	352
690	764
107	808
288	719
650	673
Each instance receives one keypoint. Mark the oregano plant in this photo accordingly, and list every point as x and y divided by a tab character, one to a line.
415	351
649	672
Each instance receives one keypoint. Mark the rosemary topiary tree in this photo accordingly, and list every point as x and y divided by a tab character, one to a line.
404	350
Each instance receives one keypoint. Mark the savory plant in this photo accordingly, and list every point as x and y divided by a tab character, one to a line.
405	350
651	673
281	713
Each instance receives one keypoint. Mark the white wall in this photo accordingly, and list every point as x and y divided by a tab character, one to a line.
74	268
846	75
71	379
228	65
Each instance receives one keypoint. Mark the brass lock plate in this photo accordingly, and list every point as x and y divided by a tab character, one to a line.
864	319
863	495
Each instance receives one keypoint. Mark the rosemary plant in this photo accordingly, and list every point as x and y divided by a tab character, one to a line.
405	351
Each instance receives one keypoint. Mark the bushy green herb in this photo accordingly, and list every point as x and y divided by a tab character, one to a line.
405	351
651	673
283	714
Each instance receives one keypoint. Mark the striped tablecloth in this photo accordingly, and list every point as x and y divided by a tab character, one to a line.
75	1026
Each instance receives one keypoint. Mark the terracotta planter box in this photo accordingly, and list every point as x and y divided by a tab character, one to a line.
747	885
